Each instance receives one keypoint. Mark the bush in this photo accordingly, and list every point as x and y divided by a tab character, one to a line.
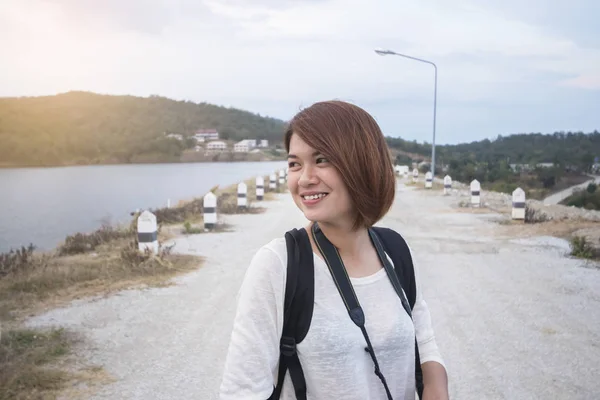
146	263
188	229
179	214
591	188
533	216
82	242
16	260
581	248
583	198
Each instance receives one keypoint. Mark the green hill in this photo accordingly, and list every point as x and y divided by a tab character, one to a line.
538	163
88	128
574	149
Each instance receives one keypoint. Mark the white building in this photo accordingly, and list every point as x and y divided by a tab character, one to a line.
216	147
244	146
263	143
202	135
240	147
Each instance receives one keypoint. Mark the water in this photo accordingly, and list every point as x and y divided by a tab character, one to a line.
44	205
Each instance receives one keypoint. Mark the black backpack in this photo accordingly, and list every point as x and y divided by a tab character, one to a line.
299	301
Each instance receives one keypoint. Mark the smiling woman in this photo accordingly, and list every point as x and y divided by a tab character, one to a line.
292	336
337	148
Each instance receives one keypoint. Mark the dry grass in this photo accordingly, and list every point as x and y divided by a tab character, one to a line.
563	229
27	363
32	361
41	364
53	280
192	210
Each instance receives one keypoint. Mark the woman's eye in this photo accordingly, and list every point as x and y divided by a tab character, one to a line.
292	164
321	160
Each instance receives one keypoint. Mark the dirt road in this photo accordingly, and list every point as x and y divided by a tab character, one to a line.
515	319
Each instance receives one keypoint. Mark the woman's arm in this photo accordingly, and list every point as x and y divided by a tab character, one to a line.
435	378
253	355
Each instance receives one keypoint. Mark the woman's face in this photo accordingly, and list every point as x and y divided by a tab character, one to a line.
317	187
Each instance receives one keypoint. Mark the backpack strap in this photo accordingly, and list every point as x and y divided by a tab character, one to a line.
395	245
298	310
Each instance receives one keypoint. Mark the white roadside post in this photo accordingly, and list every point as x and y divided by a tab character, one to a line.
447	184
475	193
428	180
210	211
281	177
518	204
147	232
415	175
260	188
272	182
242	199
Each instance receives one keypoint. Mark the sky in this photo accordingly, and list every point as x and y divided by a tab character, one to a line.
504	66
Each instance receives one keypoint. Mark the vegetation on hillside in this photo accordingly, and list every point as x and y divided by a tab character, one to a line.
489	161
588	198
87	128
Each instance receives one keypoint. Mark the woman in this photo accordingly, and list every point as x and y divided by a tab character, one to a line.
341	177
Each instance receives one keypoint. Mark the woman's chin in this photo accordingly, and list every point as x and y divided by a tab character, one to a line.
313	216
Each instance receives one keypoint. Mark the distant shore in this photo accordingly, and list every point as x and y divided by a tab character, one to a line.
141	162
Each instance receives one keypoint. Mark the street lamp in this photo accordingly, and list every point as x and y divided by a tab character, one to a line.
390	52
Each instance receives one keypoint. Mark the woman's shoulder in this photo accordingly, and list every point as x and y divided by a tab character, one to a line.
274	251
269	261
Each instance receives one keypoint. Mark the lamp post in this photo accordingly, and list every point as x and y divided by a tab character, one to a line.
389	52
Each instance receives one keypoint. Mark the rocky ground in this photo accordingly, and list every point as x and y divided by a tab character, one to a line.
554	219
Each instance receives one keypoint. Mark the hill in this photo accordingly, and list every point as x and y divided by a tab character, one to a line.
88	128
538	163
575	149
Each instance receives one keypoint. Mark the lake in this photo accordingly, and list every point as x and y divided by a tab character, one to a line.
44	205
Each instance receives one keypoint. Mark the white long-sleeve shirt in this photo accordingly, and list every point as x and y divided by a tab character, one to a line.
332	355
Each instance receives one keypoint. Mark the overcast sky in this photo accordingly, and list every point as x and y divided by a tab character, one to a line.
504	66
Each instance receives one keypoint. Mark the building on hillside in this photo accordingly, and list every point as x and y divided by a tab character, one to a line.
241	147
263	143
202	135
545	165
244	146
216	146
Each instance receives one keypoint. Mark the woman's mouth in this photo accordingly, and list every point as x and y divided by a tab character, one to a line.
313	198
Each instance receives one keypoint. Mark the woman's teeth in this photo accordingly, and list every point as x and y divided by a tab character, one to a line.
315	196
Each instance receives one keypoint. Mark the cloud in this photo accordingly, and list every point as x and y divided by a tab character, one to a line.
273	56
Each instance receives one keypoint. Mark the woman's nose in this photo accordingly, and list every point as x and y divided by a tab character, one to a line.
308	176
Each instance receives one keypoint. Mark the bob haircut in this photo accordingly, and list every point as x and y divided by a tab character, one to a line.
352	141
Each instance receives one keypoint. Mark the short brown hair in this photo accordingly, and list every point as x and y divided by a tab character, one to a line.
353	142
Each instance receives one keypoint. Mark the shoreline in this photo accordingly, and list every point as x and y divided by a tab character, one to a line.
116	210
177	204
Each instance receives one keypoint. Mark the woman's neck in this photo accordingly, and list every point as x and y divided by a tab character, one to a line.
350	243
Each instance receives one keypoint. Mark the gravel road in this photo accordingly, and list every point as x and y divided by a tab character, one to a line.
515	319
